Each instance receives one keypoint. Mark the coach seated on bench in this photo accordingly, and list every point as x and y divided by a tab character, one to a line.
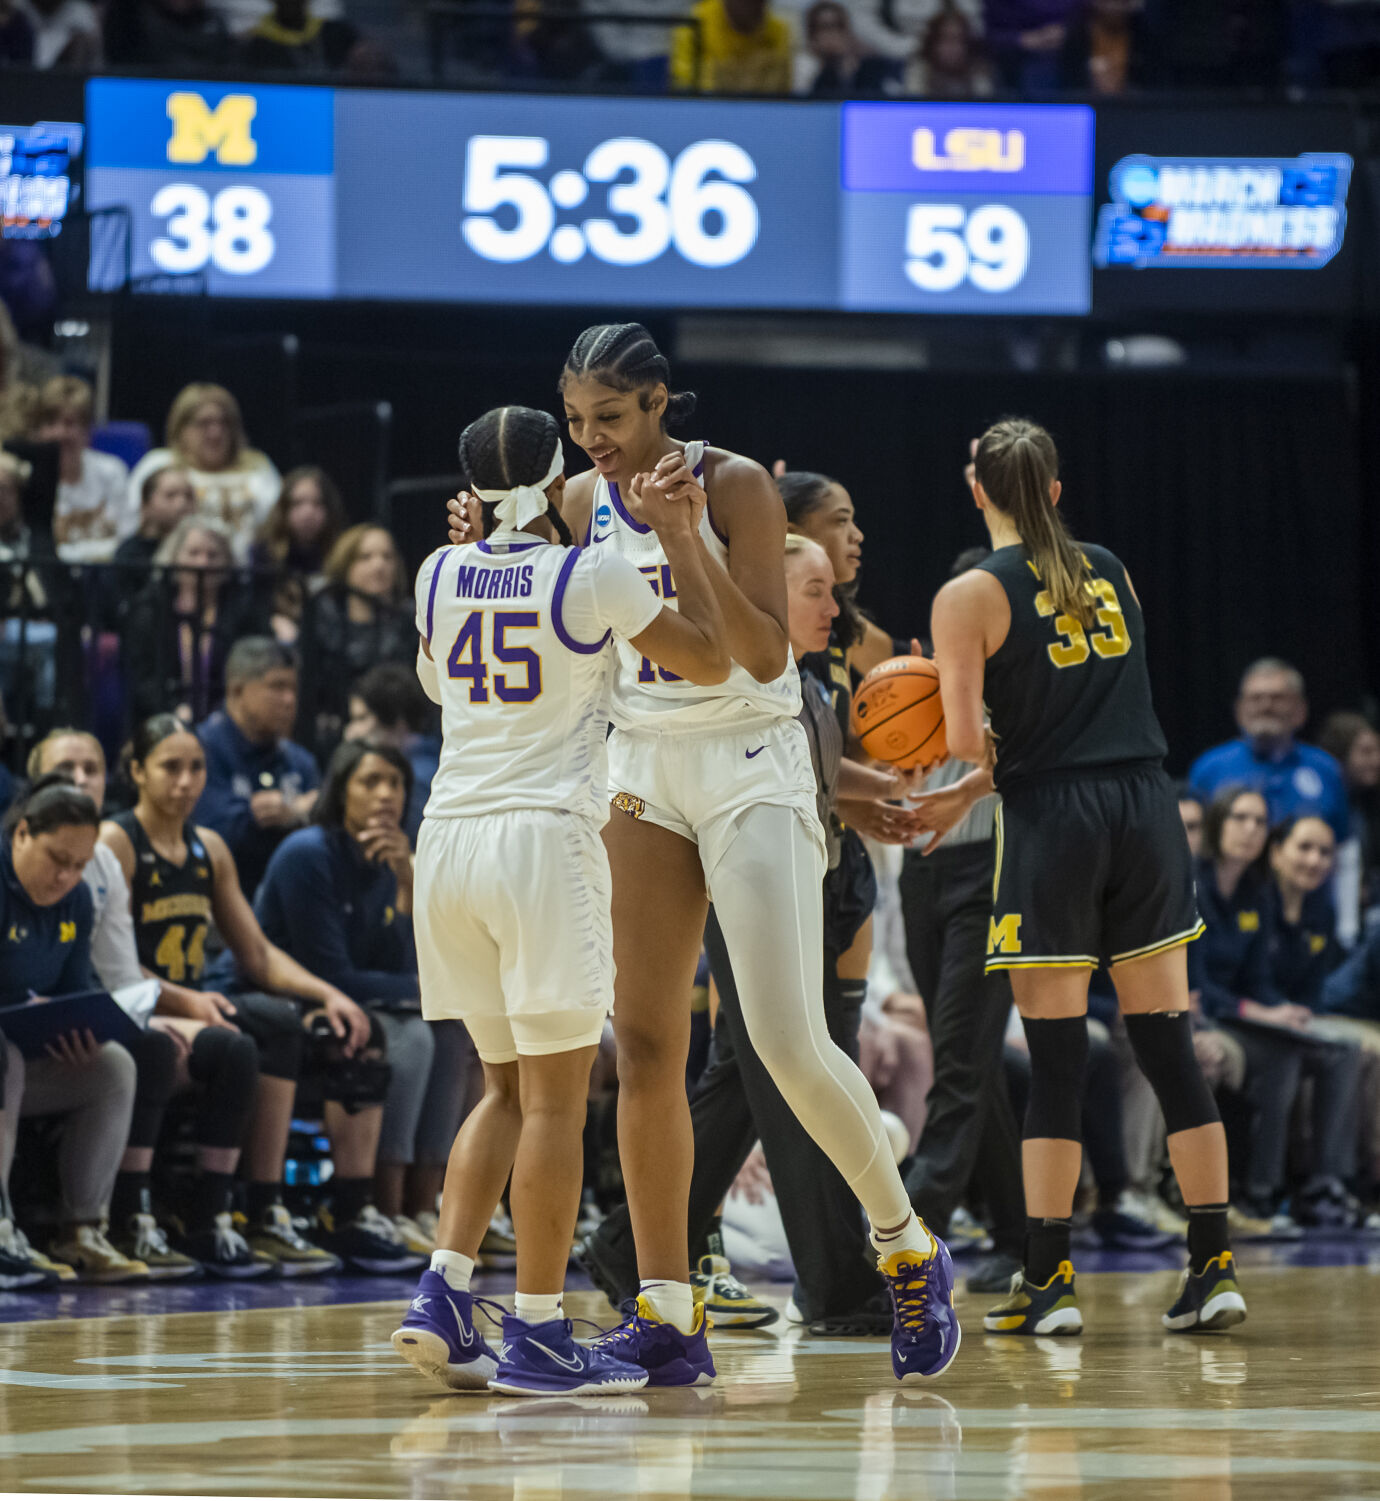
338	898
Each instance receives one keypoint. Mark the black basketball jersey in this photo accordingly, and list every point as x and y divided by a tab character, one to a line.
172	905
1063	699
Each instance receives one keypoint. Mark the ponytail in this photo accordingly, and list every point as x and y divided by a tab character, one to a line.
1016	463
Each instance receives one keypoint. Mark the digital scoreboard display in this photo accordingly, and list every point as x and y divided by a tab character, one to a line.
281	191
38	185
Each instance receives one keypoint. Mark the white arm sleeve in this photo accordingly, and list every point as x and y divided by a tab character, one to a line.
607	593
428	676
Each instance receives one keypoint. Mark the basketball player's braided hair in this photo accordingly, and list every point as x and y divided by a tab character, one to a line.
507	447
625	357
803	492
1016	463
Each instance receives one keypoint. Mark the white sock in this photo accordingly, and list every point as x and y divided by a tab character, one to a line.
672	1301
912	1236
455	1267
537	1308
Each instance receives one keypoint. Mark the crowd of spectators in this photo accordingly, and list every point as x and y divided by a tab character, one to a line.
241	882
942	49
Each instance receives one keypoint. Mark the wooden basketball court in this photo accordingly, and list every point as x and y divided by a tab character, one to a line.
311	1401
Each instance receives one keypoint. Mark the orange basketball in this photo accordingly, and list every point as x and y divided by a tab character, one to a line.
898	714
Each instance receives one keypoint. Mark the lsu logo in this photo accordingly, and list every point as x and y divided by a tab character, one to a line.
625	802
198	130
1004	937
67	932
1248	922
969	150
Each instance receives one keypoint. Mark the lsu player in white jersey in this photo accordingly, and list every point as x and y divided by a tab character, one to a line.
714	795
511	908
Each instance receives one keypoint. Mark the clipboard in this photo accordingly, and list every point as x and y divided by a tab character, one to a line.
32	1026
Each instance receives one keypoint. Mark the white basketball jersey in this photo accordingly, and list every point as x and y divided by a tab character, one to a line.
646	696
521	638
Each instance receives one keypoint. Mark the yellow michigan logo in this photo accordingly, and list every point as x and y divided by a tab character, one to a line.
1004	937
67	932
198	130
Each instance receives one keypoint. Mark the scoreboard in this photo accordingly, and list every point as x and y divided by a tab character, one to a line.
313	192
282	191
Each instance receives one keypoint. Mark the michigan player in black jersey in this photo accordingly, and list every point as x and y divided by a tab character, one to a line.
1092	862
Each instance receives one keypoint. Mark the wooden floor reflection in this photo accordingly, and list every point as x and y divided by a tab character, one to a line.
312	1402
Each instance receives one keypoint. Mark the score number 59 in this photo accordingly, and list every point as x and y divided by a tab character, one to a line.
946	246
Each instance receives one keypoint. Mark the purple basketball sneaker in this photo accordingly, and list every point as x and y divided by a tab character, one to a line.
543	1360
669	1357
925	1336
437	1335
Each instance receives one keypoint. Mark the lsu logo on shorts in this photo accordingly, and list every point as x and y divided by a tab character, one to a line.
625	802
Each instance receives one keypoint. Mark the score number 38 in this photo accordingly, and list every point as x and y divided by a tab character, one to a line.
946	246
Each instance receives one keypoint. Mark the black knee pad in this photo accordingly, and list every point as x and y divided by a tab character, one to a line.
1163	1044
355	1083
1058	1068
226	1065
155	1063
276	1027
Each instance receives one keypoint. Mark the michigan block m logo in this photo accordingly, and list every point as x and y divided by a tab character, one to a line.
198	130
1004	937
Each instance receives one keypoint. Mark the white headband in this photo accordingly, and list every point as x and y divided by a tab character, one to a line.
520	506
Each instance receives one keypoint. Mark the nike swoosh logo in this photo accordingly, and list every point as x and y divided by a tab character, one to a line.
571	1365
757	752
463	1339
601	536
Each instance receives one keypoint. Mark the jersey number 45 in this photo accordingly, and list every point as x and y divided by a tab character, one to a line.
467	657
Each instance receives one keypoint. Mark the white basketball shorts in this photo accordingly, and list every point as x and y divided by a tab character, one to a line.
514	933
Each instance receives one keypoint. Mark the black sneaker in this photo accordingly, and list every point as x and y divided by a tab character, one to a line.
993	1273
603	1268
368	1243
18	1272
224	1252
1209	1301
870	1320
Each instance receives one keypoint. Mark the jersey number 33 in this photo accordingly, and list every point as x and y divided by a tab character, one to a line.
1109	638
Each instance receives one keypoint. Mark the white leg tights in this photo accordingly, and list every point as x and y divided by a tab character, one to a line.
767	896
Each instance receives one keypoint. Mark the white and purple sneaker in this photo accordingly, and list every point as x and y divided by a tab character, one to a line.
437	1335
925	1336
543	1360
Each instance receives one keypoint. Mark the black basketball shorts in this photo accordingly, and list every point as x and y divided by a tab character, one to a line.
1090	870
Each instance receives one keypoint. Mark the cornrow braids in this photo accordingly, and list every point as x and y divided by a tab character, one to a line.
507	447
624	356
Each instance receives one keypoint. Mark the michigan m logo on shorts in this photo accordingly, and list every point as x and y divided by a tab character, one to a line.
1004	937
198	130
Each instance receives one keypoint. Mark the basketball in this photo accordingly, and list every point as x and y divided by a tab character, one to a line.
898	715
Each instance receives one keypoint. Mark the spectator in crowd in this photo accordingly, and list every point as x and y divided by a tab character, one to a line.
338	898
1354	743
1025	40
28	638
1271	709
180	36
948	64
46	915
260	785
359	618
92	487
1192	810
835	63
550	41
304	525
387	704
742	49
182	878
16	42
234	483
166	497
1231	966
293	38
67	33
182	624
1105	48
173	1052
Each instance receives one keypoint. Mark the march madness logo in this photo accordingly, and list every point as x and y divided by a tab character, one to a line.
1224	211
